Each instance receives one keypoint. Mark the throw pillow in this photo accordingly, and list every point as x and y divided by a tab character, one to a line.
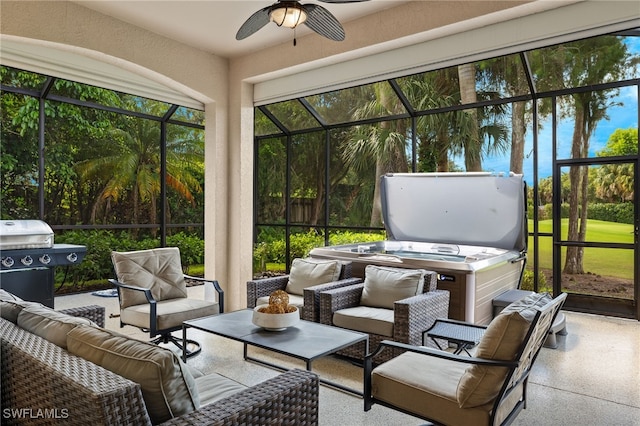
527	306
11	305
159	270
383	285
501	341
168	388
5	295
49	324
309	272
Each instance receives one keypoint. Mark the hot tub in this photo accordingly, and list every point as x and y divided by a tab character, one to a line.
470	228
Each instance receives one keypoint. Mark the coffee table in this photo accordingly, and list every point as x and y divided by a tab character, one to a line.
306	340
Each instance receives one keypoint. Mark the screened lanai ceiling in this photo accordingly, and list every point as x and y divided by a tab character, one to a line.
426	93
212	25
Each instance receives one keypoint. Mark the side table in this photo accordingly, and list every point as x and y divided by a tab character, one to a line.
464	335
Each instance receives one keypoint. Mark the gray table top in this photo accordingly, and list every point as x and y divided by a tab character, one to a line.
306	340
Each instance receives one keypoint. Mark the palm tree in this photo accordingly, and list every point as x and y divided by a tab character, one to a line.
468	95
614	182
132	169
385	142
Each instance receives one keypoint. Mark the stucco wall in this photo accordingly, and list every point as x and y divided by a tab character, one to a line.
198	73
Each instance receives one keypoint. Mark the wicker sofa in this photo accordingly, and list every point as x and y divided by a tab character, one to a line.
43	383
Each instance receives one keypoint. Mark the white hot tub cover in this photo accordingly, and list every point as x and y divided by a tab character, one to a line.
476	209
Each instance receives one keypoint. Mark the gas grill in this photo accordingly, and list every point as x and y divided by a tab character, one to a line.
470	228
29	257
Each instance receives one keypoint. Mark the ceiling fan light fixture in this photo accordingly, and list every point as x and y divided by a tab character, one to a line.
288	14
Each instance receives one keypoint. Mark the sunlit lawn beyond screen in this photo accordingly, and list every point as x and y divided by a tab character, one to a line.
601	261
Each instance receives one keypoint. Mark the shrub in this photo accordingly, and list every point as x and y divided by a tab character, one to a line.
191	248
348	237
100	243
528	282
274	251
302	244
612	212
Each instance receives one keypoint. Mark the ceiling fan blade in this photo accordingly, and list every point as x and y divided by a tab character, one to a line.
323	22
342	1
254	23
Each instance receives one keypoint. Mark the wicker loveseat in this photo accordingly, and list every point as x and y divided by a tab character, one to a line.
43	383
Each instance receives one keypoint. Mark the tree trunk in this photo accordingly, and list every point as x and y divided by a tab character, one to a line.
468	95
573	261
518	128
376	209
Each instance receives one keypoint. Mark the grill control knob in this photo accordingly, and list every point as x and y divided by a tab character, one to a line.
7	262
27	260
72	257
45	259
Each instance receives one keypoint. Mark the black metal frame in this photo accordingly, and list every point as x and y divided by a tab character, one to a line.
44	95
624	308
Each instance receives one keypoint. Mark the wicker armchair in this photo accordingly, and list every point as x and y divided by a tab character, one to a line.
309	303
408	319
94	313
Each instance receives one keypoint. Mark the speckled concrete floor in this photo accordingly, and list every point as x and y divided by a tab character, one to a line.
592	378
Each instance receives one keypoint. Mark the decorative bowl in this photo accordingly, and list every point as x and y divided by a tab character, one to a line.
275	322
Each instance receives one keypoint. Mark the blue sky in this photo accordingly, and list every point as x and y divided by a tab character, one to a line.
619	117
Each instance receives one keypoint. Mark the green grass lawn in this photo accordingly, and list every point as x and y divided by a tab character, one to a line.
600	261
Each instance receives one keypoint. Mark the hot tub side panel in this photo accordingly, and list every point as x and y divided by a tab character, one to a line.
489	284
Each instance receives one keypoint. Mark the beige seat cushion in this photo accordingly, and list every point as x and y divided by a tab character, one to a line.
501	341
309	272
383	285
168	388
159	270
366	320
170	313
49	324
213	387
425	385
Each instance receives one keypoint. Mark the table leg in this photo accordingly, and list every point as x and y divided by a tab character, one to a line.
184	343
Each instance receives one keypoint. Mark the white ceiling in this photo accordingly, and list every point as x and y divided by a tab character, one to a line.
211	25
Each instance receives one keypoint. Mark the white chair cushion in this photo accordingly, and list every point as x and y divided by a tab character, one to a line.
49	324
366	320
170	313
309	272
168	388
5	295
383	285
426	385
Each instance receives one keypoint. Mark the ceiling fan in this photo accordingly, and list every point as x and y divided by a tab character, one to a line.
290	14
